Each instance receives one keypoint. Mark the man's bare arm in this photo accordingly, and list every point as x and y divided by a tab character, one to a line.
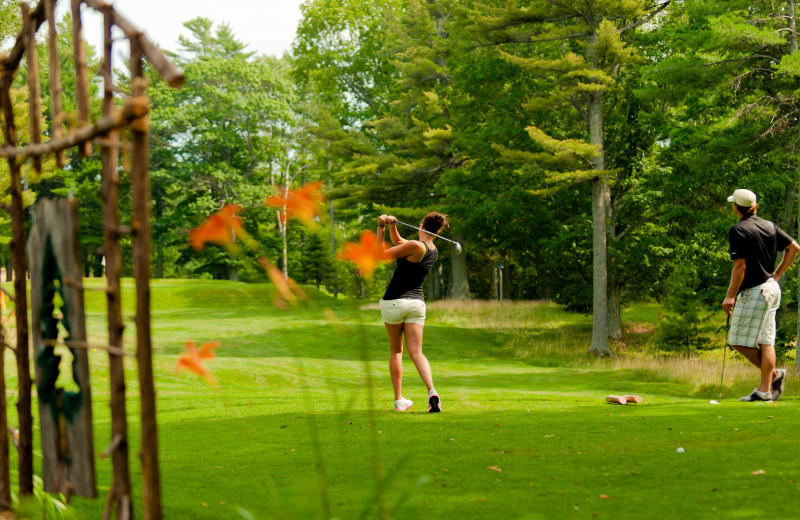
737	275
789	254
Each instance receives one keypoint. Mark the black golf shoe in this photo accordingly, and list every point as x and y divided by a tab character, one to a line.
778	384
757	396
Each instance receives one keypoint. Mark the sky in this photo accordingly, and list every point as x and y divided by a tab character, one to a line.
266	26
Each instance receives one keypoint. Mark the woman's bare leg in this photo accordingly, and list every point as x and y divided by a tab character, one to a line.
395	332
413	333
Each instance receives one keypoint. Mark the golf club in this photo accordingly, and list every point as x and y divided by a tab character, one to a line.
458	246
724	355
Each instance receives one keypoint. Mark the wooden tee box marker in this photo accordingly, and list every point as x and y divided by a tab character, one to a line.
623	399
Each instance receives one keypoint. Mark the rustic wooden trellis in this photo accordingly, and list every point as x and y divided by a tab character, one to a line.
132	115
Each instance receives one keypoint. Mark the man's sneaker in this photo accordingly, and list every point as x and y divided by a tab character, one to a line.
757	396
778	384
434	404
402	404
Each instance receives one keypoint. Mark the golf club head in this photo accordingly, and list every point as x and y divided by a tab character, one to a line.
458	248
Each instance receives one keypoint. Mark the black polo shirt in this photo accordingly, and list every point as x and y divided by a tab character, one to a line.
758	242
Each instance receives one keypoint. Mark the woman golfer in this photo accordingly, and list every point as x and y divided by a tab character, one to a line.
403	304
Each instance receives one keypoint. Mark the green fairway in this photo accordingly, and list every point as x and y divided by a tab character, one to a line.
291	432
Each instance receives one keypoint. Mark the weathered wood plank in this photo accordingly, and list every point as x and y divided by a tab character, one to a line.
68	463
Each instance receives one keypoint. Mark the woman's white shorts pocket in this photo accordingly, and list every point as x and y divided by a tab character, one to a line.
404	310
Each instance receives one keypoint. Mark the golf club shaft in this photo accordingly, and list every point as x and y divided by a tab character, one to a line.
428	232
724	355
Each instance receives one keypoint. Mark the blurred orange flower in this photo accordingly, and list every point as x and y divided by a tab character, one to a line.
366	254
192	360
302	204
287	291
220	228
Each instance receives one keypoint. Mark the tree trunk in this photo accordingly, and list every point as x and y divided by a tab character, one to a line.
159	213
793	48
615	307
600	196
333	238
159	258
459	288
792	27
494	290
284	225
438	290
797	348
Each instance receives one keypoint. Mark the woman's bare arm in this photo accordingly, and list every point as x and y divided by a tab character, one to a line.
411	249
394	235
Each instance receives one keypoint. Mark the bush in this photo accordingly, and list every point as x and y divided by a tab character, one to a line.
681	330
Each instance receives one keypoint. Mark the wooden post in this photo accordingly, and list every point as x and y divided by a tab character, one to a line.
20	292
5	471
81	74
140	159
67	436
55	79
34	90
121	490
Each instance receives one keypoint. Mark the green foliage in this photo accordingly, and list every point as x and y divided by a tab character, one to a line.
10	22
317	262
682	328
42	505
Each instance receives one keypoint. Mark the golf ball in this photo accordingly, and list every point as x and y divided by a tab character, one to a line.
680	450
713	401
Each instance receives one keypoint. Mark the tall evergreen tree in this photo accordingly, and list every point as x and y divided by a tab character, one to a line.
579	48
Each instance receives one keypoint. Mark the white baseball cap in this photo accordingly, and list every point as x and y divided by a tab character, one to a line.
744	198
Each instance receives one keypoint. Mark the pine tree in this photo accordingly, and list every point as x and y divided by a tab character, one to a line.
578	47
317	262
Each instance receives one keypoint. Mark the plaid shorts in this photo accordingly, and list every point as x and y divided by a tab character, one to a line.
753	321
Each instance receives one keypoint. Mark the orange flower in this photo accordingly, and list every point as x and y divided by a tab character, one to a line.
302	204
220	228
287	292
366	254
192	360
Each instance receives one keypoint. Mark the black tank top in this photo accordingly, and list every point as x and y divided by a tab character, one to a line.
408	277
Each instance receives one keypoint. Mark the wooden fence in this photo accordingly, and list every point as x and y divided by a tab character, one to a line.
118	115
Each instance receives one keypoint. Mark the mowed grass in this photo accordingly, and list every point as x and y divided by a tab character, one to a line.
300	424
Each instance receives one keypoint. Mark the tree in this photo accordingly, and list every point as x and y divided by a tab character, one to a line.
317	264
732	72
590	53
216	140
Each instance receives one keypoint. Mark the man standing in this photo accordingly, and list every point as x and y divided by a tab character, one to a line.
754	246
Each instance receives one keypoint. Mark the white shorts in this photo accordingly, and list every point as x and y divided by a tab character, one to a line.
404	310
753	321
